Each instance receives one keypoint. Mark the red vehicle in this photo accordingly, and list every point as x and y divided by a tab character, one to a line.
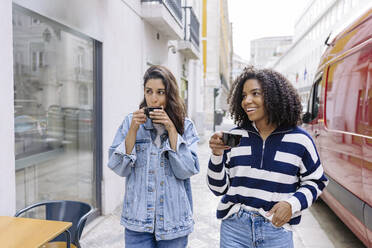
339	117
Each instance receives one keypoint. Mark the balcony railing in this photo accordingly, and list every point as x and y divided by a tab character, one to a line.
173	6
192	26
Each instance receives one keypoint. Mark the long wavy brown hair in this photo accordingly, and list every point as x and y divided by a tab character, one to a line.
175	106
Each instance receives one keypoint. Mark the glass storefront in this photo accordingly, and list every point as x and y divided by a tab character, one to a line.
54	94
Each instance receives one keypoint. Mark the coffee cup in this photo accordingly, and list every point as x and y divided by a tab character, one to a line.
230	139
150	109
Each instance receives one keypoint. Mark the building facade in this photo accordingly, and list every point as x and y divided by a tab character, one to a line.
320	19
264	49
71	71
238	65
218	62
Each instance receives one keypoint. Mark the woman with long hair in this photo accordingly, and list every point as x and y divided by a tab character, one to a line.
155	150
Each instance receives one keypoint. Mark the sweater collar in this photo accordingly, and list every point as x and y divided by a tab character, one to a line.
251	127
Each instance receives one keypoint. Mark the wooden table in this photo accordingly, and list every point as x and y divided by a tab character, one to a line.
18	232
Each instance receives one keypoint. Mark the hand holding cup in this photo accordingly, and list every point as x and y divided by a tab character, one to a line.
148	110
230	139
216	144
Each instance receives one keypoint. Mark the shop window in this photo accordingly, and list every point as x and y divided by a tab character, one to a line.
54	121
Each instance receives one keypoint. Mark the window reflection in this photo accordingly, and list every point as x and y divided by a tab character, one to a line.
345	103
53	101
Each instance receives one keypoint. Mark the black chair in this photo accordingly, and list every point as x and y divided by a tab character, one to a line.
69	211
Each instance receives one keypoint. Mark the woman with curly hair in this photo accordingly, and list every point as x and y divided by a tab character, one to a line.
275	171
155	150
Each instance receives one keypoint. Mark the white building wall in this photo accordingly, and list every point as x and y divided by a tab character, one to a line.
195	91
123	62
7	161
130	45
319	19
213	53
263	49
238	65
190	70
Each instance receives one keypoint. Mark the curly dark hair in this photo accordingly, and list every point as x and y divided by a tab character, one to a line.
175	107
281	100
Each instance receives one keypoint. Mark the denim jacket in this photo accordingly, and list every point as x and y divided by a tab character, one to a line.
157	191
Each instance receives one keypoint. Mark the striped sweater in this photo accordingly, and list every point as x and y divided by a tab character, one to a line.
257	174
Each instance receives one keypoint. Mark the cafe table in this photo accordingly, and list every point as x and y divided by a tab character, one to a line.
16	232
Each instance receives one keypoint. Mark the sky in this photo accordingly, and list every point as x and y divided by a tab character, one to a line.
254	19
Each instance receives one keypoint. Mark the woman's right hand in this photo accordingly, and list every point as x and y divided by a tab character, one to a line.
216	144
138	118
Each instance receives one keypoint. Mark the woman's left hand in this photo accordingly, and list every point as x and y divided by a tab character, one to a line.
282	213
159	116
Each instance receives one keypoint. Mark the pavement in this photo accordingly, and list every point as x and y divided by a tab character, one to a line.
313	231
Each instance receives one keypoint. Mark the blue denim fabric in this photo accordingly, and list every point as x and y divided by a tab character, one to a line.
147	240
251	230
157	192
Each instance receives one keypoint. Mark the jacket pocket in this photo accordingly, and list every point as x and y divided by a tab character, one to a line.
177	207
129	198
134	208
142	146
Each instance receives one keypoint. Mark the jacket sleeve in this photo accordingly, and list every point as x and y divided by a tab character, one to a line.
184	162
312	179
119	161
218	179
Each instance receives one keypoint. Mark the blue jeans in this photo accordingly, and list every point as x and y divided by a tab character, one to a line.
147	240
251	230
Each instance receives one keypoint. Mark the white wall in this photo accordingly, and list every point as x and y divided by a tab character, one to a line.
213	59
196	97
155	50
7	162
123	66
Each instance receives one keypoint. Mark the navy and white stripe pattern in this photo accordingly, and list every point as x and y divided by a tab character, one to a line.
258	174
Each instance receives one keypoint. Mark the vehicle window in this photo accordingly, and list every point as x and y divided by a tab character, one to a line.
314	99
346	92
310	103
